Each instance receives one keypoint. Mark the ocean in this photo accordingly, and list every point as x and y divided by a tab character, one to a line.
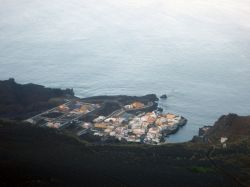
196	51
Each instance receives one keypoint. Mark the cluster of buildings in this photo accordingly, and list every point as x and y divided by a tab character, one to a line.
63	115
148	127
140	127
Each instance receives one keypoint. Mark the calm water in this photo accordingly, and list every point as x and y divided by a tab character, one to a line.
195	51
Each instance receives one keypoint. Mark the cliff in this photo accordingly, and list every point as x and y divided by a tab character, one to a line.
232	126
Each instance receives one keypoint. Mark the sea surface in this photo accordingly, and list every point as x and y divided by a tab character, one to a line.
195	51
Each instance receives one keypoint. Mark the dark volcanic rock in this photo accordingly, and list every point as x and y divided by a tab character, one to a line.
203	130
23	101
197	139
164	96
123	99
160	109
232	126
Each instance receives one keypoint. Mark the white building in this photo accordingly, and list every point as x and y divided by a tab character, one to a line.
99	119
223	139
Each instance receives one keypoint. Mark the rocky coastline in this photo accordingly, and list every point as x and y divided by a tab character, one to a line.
50	100
37	156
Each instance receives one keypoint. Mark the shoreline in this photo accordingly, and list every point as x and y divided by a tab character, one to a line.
44	148
79	116
134	117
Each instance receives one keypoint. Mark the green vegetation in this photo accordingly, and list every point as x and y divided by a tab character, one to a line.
200	169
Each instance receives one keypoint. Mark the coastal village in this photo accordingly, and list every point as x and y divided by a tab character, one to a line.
131	124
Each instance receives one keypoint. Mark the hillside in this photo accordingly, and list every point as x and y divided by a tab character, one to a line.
35	156
232	126
32	156
22	101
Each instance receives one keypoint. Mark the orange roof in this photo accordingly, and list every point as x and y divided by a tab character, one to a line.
137	104
170	116
158	122
151	119
101	125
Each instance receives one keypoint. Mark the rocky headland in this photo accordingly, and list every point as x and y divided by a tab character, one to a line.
19	101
